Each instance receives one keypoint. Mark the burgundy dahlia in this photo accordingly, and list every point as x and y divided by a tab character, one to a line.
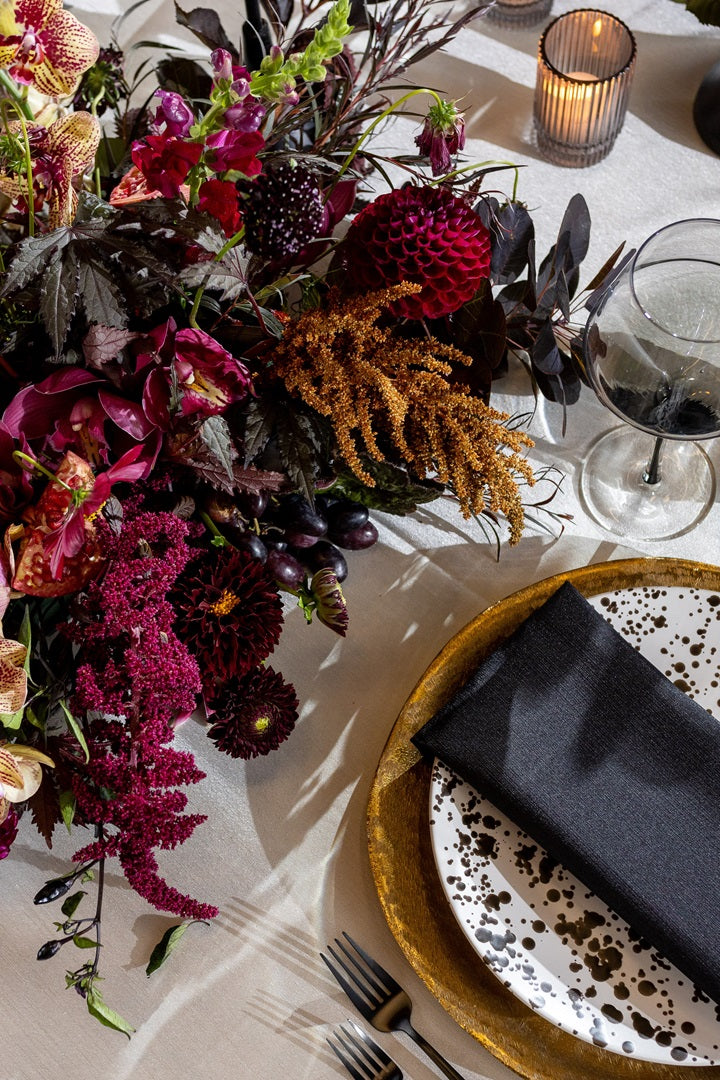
422	234
254	715
229	614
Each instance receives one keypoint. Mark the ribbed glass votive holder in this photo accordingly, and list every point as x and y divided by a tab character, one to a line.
586	61
519	13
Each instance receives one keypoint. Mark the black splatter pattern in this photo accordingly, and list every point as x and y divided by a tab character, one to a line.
551	941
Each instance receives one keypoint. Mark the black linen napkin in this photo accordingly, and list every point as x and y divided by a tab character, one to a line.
602	760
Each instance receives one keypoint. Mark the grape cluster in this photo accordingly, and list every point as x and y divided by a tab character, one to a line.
293	538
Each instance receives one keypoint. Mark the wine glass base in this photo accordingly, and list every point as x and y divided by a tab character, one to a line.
616	496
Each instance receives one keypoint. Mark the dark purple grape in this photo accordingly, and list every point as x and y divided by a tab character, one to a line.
298	539
252	544
253	503
48	949
273	543
325	554
286	569
297	514
345	516
357	539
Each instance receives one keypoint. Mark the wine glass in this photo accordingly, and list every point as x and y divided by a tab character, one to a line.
652	355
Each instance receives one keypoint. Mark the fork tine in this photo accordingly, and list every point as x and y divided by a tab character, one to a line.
370	1042
346	1061
374	990
362	1006
371	1059
381	973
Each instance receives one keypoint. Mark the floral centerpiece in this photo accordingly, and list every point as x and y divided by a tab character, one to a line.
231	332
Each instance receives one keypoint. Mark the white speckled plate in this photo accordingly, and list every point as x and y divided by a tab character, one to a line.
555	946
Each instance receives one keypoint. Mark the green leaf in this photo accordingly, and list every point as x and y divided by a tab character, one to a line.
12	721
215	433
32	718
71	904
67	808
76	729
84	942
169	941
107	1016
24	636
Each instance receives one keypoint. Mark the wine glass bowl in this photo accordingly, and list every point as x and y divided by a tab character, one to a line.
652	355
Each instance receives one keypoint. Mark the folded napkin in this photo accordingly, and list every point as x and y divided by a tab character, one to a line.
594	753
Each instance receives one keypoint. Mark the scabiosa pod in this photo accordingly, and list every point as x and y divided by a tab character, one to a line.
323	597
443	134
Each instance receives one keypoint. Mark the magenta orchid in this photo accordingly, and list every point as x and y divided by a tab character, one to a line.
44	46
79	410
208	378
62	518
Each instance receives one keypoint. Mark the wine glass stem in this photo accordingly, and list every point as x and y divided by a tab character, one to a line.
652	470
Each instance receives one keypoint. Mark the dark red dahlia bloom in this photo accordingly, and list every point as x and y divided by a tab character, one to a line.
219	198
229	614
165	162
421	234
254	715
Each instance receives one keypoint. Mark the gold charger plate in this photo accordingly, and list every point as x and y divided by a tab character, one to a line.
404	869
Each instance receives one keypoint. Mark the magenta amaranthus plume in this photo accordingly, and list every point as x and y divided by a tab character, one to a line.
132	666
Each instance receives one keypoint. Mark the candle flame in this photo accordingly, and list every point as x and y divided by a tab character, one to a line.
597	28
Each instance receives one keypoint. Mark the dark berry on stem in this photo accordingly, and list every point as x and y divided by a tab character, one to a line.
253	503
357	539
53	890
251	542
345	516
48	949
326	555
286	569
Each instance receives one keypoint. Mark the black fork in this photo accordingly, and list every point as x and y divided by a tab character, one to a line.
361	1055
378	997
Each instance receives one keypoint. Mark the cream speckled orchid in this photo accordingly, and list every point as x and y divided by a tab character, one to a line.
44	46
13	678
20	774
59	154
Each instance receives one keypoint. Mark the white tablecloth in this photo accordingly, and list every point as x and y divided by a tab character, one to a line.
284	852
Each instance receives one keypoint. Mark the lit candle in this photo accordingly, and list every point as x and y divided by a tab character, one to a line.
585	65
574	106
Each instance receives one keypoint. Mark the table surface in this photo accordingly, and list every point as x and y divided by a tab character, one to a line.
284	852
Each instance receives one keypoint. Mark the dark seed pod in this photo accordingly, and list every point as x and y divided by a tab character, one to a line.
53	890
48	949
